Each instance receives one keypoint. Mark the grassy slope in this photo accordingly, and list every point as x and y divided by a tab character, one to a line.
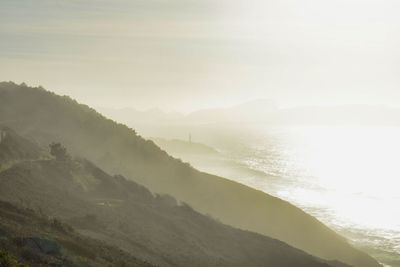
126	215
17	225
118	149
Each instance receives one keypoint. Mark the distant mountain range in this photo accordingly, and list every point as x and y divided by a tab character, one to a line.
265	112
151	227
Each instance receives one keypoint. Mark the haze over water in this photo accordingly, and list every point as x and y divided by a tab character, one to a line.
346	176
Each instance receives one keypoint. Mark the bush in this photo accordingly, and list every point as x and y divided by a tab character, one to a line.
58	151
6	260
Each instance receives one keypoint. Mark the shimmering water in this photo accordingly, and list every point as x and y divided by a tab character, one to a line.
348	177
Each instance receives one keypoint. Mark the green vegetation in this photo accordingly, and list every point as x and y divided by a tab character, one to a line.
6	260
31	239
45	116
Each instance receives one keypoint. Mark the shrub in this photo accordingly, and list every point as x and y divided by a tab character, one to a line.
58	151
6	260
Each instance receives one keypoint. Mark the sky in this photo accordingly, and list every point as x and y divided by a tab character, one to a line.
185	55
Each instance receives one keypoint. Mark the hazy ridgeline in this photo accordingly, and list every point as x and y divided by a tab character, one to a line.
57	192
46	117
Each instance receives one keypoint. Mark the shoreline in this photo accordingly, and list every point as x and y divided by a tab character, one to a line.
239	172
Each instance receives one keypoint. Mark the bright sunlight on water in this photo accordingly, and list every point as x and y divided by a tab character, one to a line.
348	177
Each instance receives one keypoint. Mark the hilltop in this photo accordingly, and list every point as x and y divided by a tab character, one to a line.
118	149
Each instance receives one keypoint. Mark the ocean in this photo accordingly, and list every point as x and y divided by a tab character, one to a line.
346	176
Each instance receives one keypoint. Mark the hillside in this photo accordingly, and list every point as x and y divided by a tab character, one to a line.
27	238
118	149
114	211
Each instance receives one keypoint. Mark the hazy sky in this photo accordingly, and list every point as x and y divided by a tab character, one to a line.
189	54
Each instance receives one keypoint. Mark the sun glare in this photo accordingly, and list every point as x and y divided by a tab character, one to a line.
356	169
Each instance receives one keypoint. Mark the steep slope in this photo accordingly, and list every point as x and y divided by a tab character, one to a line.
30	239
124	214
119	149
14	147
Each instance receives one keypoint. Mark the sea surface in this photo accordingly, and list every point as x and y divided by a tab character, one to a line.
346	176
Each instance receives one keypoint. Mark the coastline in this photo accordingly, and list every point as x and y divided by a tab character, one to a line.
225	166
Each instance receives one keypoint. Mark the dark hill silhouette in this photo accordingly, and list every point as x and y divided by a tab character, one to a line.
118	149
118	212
